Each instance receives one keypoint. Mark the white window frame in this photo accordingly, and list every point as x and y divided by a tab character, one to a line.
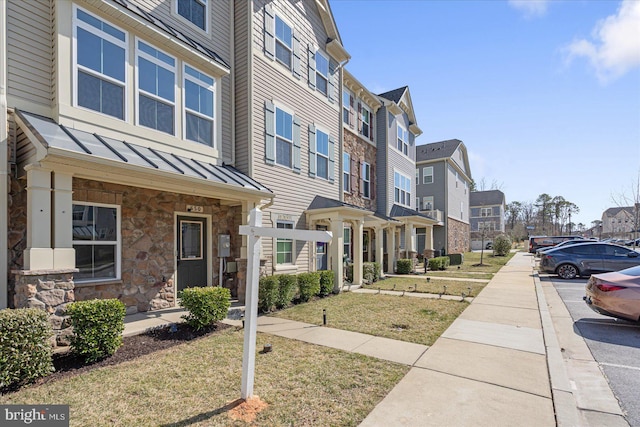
160	63
207	15
279	240
346	106
77	67
368	124
483	212
185	110
427	175
276	136
320	155
282	42
417	176
402	189
346	240
118	242
404	149
425	200
320	75
346	172
366	182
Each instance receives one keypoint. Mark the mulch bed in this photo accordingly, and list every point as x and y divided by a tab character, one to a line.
67	364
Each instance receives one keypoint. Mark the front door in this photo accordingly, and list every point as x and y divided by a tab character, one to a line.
192	252
321	252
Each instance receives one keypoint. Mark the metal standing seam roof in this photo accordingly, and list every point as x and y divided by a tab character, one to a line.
54	135
400	211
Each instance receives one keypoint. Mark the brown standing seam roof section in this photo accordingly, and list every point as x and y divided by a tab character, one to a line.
53	135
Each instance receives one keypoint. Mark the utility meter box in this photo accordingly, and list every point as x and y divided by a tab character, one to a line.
224	245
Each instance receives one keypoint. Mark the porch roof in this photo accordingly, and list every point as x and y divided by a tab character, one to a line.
61	142
402	213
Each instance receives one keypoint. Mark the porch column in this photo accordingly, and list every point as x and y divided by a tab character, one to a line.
64	256
379	248
428	240
336	252
358	258
38	255
409	240
391	249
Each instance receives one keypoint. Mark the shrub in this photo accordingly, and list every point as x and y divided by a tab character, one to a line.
371	271
287	287
326	282
25	350
206	305
349	277
501	245
439	263
97	327
404	266
308	285
268	292
456	259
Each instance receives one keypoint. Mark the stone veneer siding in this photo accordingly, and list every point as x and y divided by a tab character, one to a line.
458	236
360	150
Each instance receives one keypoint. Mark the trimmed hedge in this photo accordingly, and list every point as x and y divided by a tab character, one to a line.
308	285
371	271
25	350
501	245
456	259
404	266
97	328
326	282
268	292
287	287
206	305
439	263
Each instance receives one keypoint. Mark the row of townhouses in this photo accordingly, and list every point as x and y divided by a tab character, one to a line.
136	137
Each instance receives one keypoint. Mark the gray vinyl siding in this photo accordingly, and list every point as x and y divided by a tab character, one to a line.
29	51
273	82
456	195
242	84
382	174
397	161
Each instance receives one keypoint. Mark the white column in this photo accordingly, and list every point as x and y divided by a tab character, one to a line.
39	254
358	259
428	243
391	249
64	256
409	239
379	248
336	252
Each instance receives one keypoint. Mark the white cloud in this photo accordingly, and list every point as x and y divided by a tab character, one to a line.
615	45
531	8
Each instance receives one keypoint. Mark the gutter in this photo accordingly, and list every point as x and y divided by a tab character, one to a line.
4	161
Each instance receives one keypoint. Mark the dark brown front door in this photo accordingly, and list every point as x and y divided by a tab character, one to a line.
192	252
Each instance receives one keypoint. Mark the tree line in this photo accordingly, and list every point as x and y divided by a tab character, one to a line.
546	215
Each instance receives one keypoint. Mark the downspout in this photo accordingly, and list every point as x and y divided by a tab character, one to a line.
340	71
249	101
4	161
232	76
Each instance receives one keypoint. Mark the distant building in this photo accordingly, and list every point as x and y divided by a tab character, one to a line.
619	222
487	215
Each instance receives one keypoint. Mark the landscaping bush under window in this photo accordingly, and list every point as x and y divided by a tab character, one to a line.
404	266
267	293
206	305
326	282
287	287
308	285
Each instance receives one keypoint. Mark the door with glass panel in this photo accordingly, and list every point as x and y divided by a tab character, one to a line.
192	252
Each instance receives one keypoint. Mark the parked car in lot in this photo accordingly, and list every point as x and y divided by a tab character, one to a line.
537	242
582	259
542	250
615	294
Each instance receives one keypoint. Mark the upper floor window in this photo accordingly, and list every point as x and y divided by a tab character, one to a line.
367	130
322	154
199	106
156	88
427	175
403	140
365	173
427	203
485	211
402	184
284	42
347	100
100	59
322	72
346	172
417	178
284	138
194	11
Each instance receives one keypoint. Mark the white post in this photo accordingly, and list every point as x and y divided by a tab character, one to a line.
251	306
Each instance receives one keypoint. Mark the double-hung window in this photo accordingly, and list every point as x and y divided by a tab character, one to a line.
322	154
427	175
346	172
366	122
402	184
403	140
284	247
347	242
96	240
194	11
366	180
156	88
485	211
346	106
322	72
100	60
284	138
284	42
199	90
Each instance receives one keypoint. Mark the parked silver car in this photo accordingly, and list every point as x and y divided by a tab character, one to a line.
583	259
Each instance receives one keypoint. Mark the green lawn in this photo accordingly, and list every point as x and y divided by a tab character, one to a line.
417	320
433	286
470	268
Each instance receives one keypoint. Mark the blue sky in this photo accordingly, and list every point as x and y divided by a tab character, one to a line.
544	94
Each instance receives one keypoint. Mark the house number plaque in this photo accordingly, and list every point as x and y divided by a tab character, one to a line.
195	209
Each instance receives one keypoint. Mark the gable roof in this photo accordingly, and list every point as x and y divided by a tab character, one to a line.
394	95
400	100
334	41
486	198
437	150
615	211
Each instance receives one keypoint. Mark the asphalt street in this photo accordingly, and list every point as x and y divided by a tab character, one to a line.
614	344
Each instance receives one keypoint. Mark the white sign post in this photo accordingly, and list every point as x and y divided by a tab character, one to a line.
254	231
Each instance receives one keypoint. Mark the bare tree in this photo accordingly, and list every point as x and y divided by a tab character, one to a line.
631	200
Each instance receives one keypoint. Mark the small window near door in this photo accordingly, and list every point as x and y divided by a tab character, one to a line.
96	240
191	241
